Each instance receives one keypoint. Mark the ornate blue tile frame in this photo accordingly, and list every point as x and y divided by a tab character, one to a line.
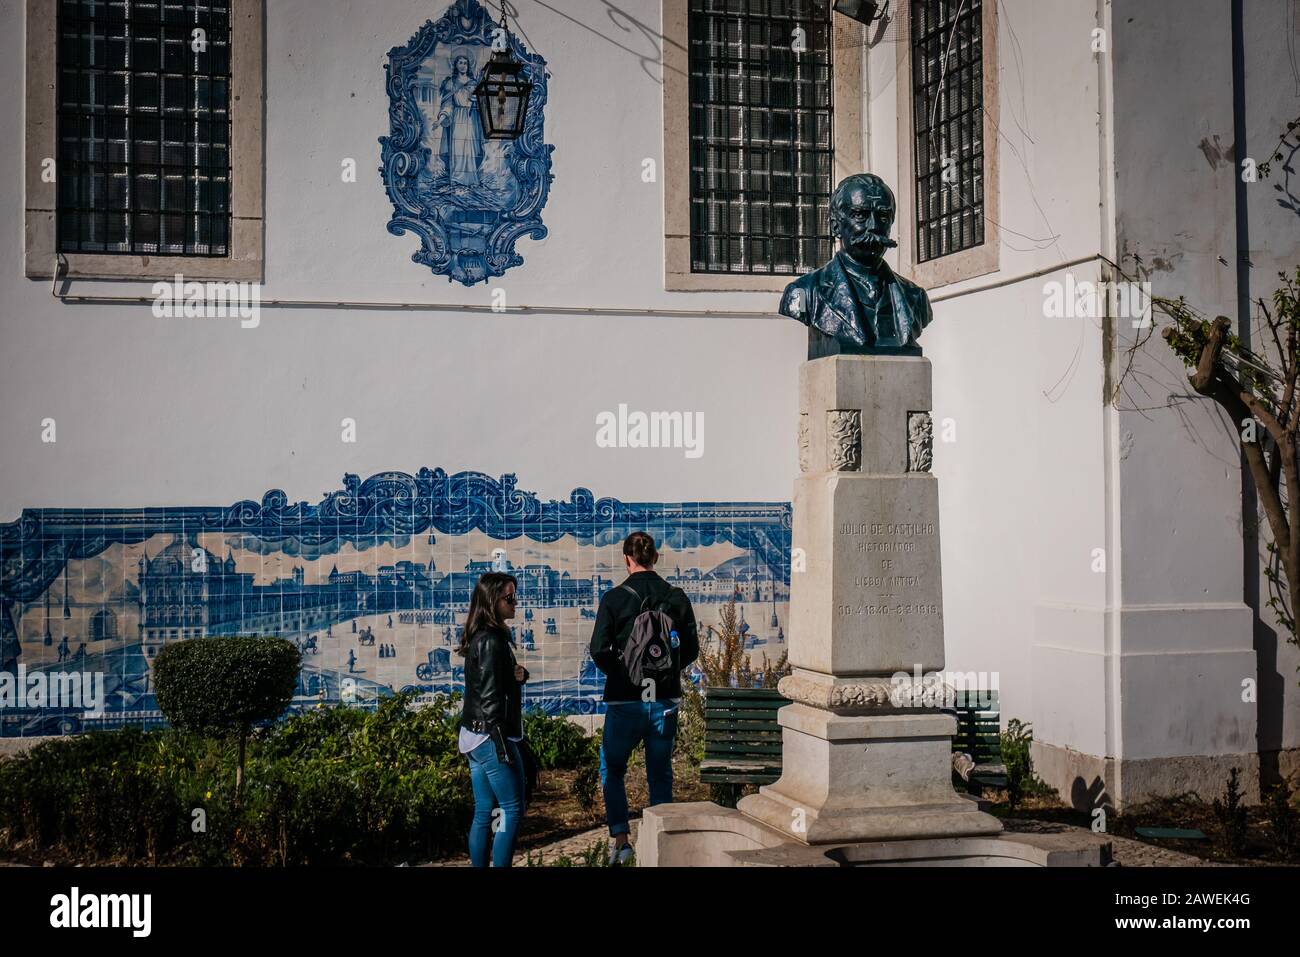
436	214
388	507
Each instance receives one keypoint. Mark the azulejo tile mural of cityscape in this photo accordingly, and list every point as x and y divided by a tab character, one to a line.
372	584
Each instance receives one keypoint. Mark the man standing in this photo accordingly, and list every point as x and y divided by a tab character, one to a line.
644	711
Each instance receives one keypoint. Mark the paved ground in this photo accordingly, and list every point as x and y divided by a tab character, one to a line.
1125	852
571	847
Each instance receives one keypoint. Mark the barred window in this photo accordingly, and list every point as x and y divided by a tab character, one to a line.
144	127
948	125
761	139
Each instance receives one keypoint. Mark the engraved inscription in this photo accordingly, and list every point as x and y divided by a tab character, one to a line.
844	440
888	586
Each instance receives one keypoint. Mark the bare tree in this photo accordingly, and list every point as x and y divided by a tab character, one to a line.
1259	393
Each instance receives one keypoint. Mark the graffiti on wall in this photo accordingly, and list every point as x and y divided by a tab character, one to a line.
468	198
372	584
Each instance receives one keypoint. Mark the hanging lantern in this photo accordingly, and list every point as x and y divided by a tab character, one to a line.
503	93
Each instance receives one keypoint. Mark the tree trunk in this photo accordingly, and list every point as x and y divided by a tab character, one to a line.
239	767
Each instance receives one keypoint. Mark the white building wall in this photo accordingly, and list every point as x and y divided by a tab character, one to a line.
201	411
1022	488
1131	672
178	412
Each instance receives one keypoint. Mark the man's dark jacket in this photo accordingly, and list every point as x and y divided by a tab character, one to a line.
618	610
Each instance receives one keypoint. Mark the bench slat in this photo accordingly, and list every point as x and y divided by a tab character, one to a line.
741	749
738	715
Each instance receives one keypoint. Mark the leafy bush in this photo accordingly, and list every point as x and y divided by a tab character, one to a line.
723	661
1021	780
328	787
113	794
586	783
557	741
221	685
690	726
1231	814
593	855
1284	820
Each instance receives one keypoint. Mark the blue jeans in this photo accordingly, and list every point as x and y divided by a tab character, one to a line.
496	784
627	724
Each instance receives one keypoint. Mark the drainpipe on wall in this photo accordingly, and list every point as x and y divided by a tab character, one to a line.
1110	272
1264	637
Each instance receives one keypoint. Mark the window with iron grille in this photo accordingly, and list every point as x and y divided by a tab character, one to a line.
947	125
761	135
143	94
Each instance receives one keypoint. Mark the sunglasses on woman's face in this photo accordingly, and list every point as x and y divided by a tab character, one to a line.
509	598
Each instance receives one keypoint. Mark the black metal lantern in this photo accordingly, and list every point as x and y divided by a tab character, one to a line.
864	11
503	93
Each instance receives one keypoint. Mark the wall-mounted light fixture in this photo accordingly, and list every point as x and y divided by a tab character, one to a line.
864	11
503	92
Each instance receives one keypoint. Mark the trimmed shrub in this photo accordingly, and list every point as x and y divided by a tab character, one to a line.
213	686
218	686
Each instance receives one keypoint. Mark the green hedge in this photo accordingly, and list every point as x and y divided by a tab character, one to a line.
332	786
556	741
225	684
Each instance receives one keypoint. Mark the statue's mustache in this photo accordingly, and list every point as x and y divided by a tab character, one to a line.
877	239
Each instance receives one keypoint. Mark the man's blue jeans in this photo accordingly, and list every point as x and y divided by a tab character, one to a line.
627	724
496	784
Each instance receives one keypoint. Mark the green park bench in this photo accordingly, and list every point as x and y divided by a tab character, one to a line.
742	740
979	735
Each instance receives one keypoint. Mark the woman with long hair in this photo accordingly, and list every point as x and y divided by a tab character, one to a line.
491	725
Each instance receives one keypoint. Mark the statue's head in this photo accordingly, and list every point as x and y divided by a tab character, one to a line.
862	214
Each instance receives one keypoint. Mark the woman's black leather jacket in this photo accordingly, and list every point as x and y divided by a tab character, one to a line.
492	694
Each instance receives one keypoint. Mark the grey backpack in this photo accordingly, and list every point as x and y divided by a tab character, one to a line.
647	651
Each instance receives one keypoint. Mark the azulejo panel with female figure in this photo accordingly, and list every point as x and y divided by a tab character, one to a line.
468	198
372	583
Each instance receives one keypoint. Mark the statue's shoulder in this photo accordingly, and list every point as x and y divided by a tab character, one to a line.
910	289
915	295
799	299
809	280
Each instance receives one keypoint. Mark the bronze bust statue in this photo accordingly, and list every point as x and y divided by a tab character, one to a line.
856	303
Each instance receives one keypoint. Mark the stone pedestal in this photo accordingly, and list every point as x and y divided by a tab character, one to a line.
866	757
862	761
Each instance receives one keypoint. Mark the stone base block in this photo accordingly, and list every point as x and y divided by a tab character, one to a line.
961	816
702	834
865	777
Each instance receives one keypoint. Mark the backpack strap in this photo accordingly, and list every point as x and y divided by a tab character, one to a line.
637	595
